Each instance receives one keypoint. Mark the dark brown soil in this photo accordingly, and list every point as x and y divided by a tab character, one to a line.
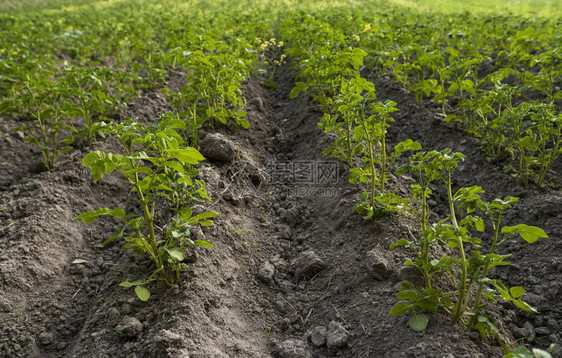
287	272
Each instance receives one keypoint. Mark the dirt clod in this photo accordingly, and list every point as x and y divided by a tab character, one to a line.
378	265
307	264
337	337
318	336
292	348
266	272
130	326
215	146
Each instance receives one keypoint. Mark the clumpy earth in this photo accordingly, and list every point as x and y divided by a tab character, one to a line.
293	272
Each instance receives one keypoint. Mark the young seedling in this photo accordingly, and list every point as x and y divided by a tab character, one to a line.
455	232
155	163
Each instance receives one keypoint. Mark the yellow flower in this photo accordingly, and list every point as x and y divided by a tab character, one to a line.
355	37
60	21
367	27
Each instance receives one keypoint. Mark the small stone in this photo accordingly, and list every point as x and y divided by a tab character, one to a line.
318	336
518	332
130	326
553	325
198	233
527	326
167	339
113	315
542	331
291	217
266	273
217	147
292	348
125	309
337	337
47	338
285	323
306	264
378	265
284	232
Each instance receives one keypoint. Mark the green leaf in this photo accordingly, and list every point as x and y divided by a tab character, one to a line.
93	157
299	86
142	293
400	308
244	123
91	216
527	142
205	223
176	253
203	243
118	213
401	242
358	133
528	233
410	295
205	215
517	291
117	234
187	155
407	145
539	353
524	305
185	212
134	283
418	322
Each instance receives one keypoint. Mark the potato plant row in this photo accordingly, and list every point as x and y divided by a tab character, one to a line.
62	71
329	70
66	75
499	77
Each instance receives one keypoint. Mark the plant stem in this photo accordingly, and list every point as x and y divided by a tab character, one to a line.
383	154
496	226
425	247
150	224
462	288
348	129
371	162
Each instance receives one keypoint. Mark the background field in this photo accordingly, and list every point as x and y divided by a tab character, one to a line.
547	8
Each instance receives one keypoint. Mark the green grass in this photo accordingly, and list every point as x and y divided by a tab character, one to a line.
546	8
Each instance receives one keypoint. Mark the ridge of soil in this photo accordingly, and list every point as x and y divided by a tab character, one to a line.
288	275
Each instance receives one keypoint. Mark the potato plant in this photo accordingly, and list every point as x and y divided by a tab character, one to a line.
158	167
212	94
459	230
